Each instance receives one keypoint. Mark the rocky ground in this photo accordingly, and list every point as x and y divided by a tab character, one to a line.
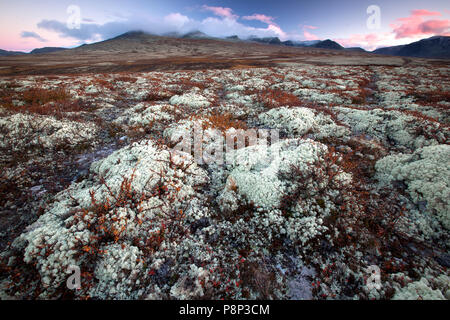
358	181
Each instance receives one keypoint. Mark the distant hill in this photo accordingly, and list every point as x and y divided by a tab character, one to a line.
356	49
268	40
234	37
6	53
434	47
437	47
392	51
47	50
289	43
308	42
328	44
196	35
131	35
143	52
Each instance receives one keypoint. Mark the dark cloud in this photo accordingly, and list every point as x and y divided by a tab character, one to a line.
30	34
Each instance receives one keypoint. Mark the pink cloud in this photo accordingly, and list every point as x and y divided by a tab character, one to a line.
14	42
435	26
403	29
271	25
415	25
221	12
277	30
423	12
260	17
310	36
370	41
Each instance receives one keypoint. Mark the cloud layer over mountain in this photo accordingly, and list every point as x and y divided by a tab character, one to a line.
224	21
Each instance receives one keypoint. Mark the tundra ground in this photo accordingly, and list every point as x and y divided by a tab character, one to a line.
361	179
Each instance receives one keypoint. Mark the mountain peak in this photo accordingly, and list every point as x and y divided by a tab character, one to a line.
328	44
196	34
132	34
269	40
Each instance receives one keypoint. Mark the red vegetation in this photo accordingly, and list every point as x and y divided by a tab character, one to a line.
125	78
274	98
225	121
43	96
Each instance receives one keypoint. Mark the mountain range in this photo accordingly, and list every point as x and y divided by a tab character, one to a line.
5	53
435	47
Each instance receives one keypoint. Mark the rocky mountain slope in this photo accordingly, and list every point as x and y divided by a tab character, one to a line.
435	47
47	50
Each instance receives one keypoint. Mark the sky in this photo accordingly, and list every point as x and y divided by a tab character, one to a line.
25	24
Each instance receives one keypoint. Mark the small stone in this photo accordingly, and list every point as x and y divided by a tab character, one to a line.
443	260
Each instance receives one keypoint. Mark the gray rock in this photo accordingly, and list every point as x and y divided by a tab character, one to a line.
443	260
